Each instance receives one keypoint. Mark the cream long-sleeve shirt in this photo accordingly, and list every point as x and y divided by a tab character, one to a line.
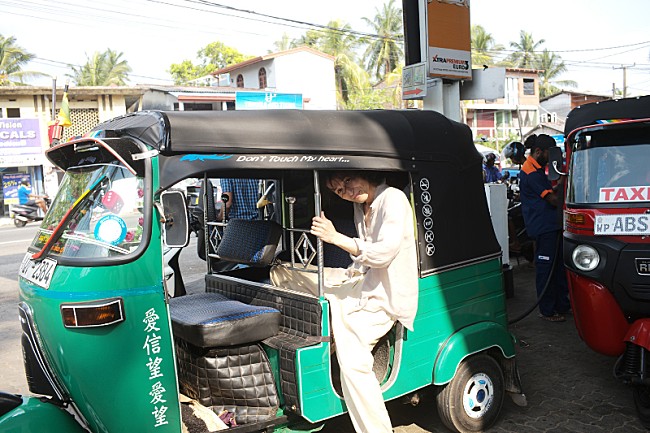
387	255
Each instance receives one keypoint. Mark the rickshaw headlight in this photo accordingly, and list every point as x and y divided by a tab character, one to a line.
585	258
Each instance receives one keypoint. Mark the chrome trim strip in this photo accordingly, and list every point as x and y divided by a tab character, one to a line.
459	265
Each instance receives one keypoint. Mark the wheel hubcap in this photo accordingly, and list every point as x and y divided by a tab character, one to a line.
478	395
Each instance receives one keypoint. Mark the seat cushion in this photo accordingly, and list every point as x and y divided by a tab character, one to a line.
251	242
213	320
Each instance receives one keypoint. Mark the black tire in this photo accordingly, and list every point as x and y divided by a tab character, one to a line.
641	395
19	223
472	400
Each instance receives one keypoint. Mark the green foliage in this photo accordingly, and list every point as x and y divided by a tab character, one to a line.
101	69
484	47
187	71
367	100
384	54
525	55
214	56
12	59
551	66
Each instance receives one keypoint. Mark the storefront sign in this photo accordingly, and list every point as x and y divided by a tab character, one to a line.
268	101
20	142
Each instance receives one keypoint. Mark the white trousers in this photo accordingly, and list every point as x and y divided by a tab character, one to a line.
356	329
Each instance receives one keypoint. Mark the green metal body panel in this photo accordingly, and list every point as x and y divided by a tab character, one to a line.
122	377
460	312
34	415
466	342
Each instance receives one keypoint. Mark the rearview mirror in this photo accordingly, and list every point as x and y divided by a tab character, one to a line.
176	232
555	163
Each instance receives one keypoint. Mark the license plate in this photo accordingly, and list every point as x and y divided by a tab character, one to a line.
39	273
618	225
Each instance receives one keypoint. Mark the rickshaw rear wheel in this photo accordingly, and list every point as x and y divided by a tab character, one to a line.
641	394
472	400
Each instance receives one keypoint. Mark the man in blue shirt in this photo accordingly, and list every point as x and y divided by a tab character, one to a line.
539	202
491	172
242	198
26	198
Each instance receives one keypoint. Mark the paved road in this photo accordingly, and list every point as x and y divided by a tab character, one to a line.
569	388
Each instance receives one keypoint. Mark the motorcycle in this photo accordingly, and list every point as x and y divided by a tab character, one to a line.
24	214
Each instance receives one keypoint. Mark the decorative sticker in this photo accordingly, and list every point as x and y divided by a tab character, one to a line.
110	229
427	212
152	348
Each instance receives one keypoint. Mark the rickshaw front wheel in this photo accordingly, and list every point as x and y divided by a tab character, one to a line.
641	394
472	400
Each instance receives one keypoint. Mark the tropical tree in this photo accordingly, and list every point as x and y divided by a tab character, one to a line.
214	56
283	44
384	54
12	60
101	69
525	51
551	66
484	47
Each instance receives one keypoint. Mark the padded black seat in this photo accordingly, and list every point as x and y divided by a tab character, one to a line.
250	242
213	320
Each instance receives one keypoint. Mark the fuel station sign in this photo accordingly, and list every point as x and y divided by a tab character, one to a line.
449	36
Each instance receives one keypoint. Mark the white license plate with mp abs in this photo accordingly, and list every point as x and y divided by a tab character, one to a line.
622	225
38	272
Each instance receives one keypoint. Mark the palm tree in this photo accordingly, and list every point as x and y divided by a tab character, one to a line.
283	44
384	54
337	40
551	66
102	69
484	47
525	53
12	59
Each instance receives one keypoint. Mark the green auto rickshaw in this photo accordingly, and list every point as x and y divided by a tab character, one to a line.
114	341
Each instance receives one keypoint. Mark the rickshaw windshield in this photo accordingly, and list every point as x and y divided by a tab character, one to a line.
108	221
609	174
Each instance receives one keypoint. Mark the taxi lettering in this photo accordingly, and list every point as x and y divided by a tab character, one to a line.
622	194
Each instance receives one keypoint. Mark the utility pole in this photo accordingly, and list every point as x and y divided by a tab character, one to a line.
624	68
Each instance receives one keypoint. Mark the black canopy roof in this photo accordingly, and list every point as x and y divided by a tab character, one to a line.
589	114
406	135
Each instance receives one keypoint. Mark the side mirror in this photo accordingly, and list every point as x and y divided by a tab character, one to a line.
176	232
555	163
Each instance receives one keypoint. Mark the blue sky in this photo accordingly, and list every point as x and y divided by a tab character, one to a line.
595	38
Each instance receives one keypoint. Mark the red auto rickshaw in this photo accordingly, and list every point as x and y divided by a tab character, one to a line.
607	234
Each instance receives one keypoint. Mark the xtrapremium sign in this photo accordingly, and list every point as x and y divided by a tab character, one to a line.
20	142
449	39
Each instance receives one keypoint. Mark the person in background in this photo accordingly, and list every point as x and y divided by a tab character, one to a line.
242	198
26	198
384	254
490	171
539	201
